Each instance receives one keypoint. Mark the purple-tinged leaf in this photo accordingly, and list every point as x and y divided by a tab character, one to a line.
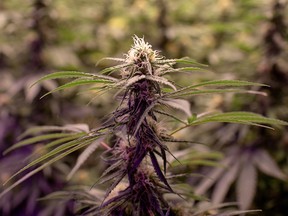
158	170
155	202
115	183
115	165
224	183
267	165
113	203
246	184
143	116
138	160
168	212
121	195
164	164
110	177
133	165
213	176
163	155
163	147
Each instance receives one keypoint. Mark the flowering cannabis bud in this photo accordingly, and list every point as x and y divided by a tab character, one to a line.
142	52
137	155
137	116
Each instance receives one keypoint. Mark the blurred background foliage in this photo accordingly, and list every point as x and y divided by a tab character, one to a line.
239	40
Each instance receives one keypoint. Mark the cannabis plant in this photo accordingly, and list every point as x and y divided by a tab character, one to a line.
136	140
253	146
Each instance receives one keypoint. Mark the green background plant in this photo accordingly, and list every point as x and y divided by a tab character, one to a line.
227	35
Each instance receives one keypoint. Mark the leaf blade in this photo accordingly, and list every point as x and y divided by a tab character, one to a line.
83	157
267	165
246	185
36	139
77	83
64	147
28	175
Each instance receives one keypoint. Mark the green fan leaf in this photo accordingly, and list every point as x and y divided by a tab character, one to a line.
37	139
247	118
182	69
238	117
231	83
71	74
46	147
83	157
189	61
181	60
76	83
196	92
197	163
41	129
218	83
63	148
62	75
36	170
